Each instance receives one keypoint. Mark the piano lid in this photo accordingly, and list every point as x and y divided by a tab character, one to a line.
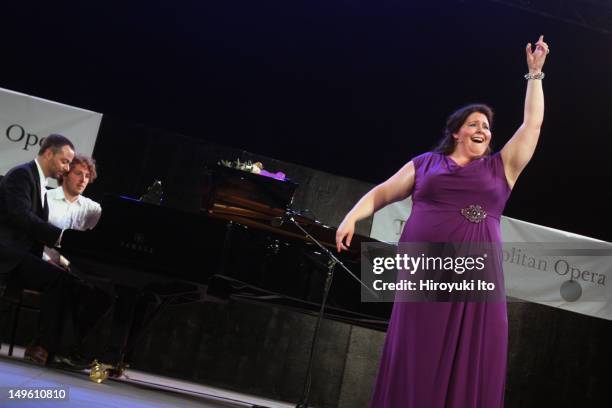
248	190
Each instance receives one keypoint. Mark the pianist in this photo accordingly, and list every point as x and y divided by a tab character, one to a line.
24	230
88	303
68	208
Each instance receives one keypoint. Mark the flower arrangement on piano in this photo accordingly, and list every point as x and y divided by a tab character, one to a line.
244	166
251	167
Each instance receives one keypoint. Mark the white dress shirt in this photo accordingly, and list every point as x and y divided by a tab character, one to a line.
81	214
43	182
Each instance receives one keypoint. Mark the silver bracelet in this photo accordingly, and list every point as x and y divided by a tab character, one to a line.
539	75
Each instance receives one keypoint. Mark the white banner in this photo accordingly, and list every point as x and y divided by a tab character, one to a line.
541	265
557	268
25	120
388	222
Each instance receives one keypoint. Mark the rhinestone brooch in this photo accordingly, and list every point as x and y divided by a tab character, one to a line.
474	213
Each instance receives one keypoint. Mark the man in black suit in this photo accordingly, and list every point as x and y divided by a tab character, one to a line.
24	231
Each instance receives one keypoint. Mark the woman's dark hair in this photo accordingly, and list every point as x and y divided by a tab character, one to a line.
456	120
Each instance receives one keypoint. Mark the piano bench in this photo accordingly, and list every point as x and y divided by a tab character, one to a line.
17	298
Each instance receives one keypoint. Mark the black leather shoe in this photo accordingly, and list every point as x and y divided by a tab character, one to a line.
71	362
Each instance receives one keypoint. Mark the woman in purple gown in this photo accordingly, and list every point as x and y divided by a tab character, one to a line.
453	354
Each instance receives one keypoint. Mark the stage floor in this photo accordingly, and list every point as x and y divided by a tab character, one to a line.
136	390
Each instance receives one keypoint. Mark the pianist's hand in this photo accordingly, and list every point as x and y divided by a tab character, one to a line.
344	234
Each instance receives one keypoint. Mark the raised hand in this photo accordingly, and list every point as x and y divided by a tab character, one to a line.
537	57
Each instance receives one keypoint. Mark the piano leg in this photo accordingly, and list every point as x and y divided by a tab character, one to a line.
124	312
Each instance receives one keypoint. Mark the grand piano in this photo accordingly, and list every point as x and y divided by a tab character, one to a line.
240	246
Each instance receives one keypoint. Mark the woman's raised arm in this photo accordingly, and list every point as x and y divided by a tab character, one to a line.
519	149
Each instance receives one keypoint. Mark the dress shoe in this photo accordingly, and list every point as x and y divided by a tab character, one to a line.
36	354
72	361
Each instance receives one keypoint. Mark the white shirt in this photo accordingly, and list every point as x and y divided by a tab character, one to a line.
81	214
43	182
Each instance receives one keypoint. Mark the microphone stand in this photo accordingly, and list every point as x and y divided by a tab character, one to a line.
333	261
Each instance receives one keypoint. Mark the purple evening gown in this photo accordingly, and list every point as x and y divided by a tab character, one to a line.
445	354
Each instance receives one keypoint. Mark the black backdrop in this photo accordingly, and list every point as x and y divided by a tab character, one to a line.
353	88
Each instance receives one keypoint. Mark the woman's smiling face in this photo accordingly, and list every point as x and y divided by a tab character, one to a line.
474	136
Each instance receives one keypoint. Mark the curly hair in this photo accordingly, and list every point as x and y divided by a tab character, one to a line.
86	161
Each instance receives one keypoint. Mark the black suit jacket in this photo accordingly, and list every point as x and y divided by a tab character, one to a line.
23	222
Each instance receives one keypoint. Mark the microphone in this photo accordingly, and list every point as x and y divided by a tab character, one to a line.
279	221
